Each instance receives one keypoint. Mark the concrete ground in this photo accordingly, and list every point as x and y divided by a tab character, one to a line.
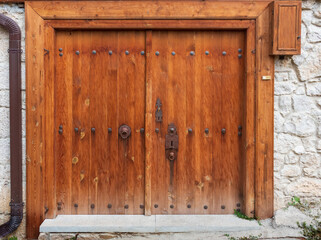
282	226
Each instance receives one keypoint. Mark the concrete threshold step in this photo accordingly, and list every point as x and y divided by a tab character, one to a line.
146	224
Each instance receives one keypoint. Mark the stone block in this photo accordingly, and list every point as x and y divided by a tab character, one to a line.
286	142
44	236
289	217
291	171
303	103
310	160
284	88
314	89
311	172
285	104
62	236
4	122
305	187
301	125
291	158
4	98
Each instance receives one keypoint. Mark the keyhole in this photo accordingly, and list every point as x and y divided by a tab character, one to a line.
172	144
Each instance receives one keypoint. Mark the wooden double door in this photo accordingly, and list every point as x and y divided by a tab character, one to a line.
149	122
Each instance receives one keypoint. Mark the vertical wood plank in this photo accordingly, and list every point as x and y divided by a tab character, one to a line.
80	119
217	163
232	116
249	124
148	124
63	121
112	63
49	132
264	199
35	120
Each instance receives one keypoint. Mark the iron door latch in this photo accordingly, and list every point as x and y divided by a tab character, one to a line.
171	142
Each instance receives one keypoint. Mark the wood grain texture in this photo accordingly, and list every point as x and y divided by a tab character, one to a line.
249	124
264	194
49	177
148	24
148	10
81	121
63	120
40	96
35	121
95	91
194	90
286	27
149	107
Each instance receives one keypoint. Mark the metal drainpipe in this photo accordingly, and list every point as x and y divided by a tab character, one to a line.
16	204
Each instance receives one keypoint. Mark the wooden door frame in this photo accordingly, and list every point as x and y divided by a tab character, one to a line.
43	18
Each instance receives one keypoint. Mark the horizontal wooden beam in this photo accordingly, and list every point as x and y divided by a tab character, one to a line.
149	9
149	24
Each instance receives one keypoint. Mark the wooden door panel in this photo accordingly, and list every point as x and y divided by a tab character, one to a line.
200	88
63	123
97	171
81	122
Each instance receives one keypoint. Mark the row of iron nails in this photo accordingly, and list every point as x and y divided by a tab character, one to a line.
192	53
142	130
155	206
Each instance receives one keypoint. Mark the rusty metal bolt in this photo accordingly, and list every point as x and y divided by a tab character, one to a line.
190	130
142	130
205	207
109	205
156	130
92	206
60	49
75	205
171	156
224	53
240	50
76	130
141	206
192	53
109	130
207	52
61	54
240	56
223	207
156	206
142	53
110	52
207	130
189	206
126	52
94	52
171	206
126	206
223	131
93	130
77	52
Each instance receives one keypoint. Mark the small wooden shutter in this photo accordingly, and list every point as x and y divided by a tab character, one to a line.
286	33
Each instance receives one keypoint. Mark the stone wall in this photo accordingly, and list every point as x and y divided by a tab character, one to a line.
16	12
297	114
297	120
